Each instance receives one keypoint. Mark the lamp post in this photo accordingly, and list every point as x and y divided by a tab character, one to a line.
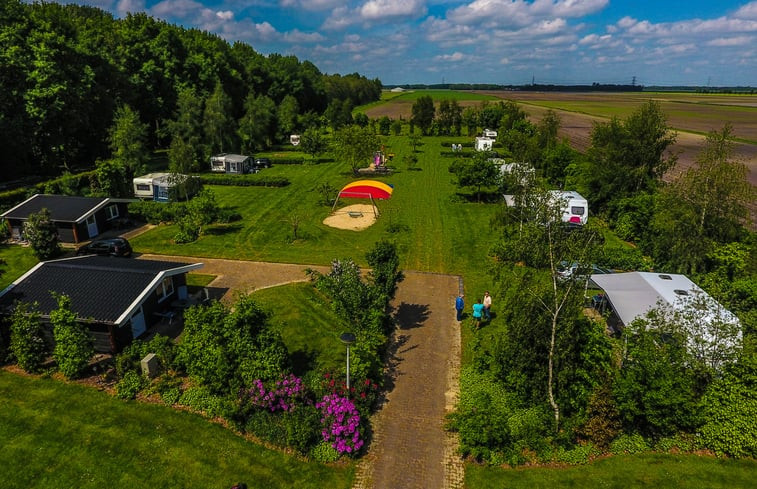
348	339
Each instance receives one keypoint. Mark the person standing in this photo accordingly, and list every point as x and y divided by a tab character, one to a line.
487	306
459	305
478	311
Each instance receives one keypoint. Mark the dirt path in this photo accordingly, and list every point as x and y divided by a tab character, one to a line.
409	448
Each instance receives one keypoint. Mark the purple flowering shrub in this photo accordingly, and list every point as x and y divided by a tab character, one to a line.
362	392
284	395
341	423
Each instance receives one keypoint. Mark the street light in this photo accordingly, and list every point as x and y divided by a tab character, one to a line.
348	339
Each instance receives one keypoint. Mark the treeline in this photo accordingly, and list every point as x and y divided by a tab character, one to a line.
68	69
594	87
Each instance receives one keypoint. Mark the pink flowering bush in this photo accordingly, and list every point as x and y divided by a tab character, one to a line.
284	395
341	423
363	392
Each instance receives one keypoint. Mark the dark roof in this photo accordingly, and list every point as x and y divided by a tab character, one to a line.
63	208
100	287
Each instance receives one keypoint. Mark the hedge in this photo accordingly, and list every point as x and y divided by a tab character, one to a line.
255	180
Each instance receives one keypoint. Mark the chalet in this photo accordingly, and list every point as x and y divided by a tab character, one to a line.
231	163
119	299
77	219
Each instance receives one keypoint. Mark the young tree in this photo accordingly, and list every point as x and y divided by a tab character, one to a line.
111	179
201	211
73	343
355	145
423	113
128	141
27	341
287	115
385	273
475	172
313	142
42	235
470	120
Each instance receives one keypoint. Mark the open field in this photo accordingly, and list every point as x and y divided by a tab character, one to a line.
691	115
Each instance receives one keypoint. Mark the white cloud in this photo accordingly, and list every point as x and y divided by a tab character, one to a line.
225	15
748	11
126	6
313	5
732	41
296	37
456	56
390	9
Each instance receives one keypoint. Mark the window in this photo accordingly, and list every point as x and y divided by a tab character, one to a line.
165	289
163	193
143	187
680	292
111	212
577	211
665	277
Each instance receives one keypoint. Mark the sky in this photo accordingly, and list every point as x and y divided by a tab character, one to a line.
662	42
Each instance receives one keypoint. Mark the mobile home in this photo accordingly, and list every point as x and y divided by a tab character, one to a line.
158	186
484	144
230	163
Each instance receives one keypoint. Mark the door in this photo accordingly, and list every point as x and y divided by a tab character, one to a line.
138	325
92	226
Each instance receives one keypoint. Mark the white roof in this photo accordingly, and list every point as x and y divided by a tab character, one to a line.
633	294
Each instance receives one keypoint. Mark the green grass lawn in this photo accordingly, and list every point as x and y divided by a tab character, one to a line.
441	231
65	435
623	472
15	261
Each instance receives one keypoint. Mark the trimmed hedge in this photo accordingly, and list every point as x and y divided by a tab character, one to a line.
72	184
255	180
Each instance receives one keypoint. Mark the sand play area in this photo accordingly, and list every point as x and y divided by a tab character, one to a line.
353	217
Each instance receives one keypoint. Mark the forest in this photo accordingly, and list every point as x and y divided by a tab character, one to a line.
69	71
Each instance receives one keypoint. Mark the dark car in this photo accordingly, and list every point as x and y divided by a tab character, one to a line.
262	163
106	247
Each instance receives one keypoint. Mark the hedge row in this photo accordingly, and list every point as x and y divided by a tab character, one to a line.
448	144
254	180
76	184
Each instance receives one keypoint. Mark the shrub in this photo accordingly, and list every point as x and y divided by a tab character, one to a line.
130	385
73	343
298	428
324	453
256	180
577	455
286	394
27	341
131	357
629	444
200	399
341	424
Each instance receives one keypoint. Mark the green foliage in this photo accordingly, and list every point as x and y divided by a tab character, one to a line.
475	172
73	343
156	212
730	410
130	358
42	235
629	444
27	341
355	145
200	211
313	142
578	455
299	429
324	453
202	400
128	141
130	385
254	180
227	349
423	113
385	273
111	179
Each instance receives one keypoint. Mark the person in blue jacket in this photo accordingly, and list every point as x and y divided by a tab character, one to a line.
459	306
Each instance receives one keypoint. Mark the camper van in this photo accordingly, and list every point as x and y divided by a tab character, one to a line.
484	144
160	186
575	208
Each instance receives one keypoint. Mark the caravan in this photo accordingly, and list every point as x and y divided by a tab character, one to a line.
575	209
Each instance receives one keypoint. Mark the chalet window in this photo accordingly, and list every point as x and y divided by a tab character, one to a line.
111	212
165	289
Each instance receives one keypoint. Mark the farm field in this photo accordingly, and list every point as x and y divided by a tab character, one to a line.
692	115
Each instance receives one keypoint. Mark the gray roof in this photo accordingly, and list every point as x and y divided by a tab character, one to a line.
236	158
105	289
63	208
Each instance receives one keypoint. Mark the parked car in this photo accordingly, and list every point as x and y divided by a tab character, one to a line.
262	163
106	247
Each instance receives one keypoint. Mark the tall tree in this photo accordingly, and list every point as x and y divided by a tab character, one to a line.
128	141
187	125
287	115
73	342
313	142
476	172
218	121
423	113
258	125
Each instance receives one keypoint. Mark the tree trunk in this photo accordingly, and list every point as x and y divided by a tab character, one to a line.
552	402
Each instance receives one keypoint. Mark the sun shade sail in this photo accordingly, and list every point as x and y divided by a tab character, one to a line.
364	189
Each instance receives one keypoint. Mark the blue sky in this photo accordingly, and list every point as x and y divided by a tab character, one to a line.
677	42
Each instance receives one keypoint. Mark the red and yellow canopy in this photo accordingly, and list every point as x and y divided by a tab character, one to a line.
364	189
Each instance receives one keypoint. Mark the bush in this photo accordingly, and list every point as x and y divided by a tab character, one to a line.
131	357
324	453
200	399
298	429
156	212
27	341
577	455
256	180
629	444
625	258
73	343
130	385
